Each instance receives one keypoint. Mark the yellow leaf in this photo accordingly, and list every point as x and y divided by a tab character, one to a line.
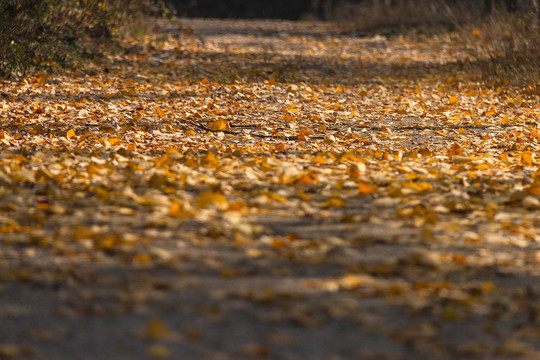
307	178
304	196
228	272
319	159
114	141
220	124
452	100
156	329
211	198
488	286
329	139
82	233
178	211
421	186
274	196
334	203
210	160
158	351
351	281
71	134
366	188
455	150
160	112
288	117
141	259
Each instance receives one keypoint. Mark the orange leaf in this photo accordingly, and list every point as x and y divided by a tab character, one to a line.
220	124
366	188
319	159
160	112
526	158
452	100
141	259
288	117
421	186
114	141
71	134
455	150
334	203
178	211
307	179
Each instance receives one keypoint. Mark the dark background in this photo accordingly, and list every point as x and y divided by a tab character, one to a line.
272	9
325	9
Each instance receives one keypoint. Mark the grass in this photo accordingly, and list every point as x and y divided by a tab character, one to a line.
507	46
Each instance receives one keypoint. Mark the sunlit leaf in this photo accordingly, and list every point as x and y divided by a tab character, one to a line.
178	210
220	124
526	158
420	186
141	259
160	112
366	188
334	203
211	198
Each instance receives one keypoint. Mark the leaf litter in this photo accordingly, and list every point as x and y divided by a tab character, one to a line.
304	192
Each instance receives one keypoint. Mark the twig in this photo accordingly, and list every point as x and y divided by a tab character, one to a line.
295	137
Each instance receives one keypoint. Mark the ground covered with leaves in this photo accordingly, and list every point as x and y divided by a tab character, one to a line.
227	189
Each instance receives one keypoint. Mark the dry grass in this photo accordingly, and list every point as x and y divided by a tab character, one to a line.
405	15
507	47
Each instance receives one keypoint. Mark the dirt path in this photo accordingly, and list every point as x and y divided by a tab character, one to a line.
268	189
